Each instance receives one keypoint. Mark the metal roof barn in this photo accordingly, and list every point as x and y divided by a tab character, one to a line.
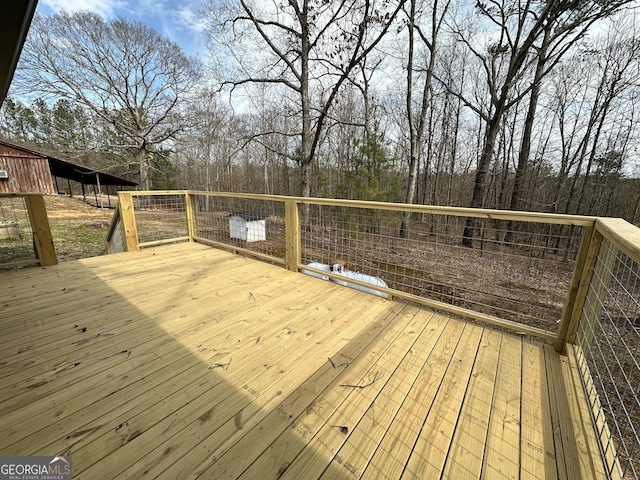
23	170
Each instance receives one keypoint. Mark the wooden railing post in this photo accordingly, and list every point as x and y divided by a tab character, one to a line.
129	222
574	287
597	293
292	234
591	268
190	206
41	229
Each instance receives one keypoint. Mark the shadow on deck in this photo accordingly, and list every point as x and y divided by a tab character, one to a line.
184	361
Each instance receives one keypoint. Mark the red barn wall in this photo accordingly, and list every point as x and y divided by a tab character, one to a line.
28	173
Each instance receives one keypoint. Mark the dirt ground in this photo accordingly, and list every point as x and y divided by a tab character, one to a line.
63	207
79	230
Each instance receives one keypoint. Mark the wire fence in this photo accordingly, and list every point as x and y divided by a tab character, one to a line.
254	225
160	217
517	271
16	235
251	225
608	351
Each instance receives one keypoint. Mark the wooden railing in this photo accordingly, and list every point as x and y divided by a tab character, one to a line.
572	280
366	235
604	336
25	234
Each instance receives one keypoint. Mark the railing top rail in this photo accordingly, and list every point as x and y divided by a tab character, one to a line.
536	217
624	235
147	193
460	211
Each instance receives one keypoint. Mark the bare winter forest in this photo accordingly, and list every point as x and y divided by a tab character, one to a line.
522	105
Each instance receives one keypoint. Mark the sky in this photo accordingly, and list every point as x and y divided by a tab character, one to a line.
175	19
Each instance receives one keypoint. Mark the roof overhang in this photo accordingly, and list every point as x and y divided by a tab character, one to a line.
15	19
82	174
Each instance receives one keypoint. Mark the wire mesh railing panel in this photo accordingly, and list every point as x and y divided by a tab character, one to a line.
517	271
608	338
16	235
160	217
257	225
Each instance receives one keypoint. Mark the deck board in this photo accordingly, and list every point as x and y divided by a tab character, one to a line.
537	457
502	451
362	444
183	361
468	445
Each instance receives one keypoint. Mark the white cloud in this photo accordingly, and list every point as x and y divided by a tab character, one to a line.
105	8
189	19
178	20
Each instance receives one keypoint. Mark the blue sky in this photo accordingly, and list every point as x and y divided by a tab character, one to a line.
175	19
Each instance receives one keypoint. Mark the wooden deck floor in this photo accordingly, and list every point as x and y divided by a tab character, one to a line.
184	361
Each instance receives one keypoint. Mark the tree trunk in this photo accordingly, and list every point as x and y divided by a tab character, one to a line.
142	157
592	155
416	129
525	147
493	128
306	156
414	147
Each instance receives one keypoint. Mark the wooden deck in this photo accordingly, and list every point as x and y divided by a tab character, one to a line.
184	361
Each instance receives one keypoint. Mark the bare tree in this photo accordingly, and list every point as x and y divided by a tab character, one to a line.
525	145
126	73
308	47
206	144
425	36
619	65
614	71
512	53
593	99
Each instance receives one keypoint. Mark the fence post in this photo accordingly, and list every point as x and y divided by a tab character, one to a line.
292	234
190	204
574	288
593	271
597	293
128	222
41	229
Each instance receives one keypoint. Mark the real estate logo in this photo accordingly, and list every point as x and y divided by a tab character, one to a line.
35	468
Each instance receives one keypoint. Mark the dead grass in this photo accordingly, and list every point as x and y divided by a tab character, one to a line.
79	230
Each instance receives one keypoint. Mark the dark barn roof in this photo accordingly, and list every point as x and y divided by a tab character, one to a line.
86	175
14	25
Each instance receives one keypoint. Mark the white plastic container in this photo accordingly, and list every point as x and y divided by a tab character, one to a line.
349	274
249	226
